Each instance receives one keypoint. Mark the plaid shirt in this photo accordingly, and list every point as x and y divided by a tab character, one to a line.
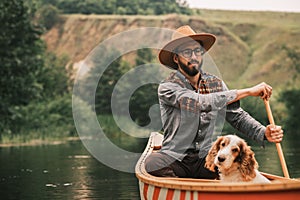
191	117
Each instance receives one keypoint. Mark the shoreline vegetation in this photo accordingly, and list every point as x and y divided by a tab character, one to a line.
38	142
108	125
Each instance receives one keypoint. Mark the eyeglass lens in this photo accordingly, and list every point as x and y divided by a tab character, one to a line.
188	52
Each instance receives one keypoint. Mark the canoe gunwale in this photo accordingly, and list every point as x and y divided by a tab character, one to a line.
277	183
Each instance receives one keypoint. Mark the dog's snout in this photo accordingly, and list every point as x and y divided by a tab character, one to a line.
221	159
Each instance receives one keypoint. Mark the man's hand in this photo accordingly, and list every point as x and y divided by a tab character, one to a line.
263	90
274	133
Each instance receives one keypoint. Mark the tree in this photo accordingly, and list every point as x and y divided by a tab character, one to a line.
146	95
48	16
106	86
142	98
35	99
126	7
292	104
54	76
105	76
21	57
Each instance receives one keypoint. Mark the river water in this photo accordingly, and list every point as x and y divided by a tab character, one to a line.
68	171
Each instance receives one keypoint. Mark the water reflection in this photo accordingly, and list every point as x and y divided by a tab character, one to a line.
60	172
268	157
68	171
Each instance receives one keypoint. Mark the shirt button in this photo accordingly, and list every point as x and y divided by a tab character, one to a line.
197	145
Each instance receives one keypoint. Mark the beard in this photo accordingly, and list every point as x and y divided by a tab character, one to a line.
190	71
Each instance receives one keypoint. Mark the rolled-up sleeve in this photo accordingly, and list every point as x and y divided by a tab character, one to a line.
175	95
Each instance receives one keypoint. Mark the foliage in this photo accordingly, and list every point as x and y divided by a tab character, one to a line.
106	77
45	116
146	95
48	16
124	7
291	100
294	57
35	100
21	57
54	76
139	102
124	140
106	85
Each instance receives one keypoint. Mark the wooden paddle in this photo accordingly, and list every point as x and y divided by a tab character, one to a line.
278	146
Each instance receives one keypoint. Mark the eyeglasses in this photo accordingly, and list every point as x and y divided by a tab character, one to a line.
187	53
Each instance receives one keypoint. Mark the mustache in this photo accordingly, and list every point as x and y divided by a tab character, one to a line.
193	62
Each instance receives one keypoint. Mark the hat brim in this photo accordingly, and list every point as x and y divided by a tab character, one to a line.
166	54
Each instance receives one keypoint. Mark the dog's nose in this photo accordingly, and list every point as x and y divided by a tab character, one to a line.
221	159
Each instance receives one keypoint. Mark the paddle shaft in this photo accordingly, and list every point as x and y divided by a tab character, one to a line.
278	146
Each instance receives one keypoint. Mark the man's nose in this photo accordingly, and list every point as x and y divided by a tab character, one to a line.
193	55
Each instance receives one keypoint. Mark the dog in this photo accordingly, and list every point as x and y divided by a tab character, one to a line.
235	161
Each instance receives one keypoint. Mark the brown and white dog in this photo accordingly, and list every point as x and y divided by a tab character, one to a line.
235	160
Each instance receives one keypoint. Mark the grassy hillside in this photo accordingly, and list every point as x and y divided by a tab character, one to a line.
251	46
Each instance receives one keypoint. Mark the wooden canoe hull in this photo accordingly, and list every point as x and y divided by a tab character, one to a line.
157	188
150	192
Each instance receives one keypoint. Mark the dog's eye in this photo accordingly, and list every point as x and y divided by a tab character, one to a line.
223	144
234	150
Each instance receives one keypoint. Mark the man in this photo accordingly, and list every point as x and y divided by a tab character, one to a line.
191	102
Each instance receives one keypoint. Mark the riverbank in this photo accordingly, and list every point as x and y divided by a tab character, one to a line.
37	142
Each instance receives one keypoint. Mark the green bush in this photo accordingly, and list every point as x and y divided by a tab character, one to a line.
41	119
48	16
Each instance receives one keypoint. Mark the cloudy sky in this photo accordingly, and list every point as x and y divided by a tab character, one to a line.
261	5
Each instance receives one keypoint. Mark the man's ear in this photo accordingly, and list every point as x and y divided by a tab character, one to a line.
175	58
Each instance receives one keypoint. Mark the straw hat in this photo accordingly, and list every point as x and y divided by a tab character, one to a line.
182	35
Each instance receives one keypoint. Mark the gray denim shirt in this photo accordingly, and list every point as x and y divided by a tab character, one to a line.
190	117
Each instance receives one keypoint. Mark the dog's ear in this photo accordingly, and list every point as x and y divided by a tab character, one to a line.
248	163
212	153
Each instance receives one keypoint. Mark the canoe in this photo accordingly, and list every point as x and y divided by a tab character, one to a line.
160	188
